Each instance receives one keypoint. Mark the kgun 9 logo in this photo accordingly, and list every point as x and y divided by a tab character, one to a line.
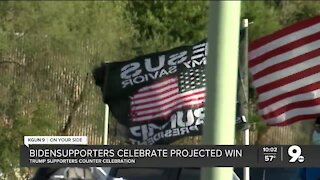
295	153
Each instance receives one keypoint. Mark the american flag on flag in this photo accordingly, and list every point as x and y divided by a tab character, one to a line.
286	73
160	99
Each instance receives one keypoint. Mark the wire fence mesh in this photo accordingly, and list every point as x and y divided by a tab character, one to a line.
60	82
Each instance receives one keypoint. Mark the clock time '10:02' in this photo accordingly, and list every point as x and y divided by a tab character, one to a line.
270	149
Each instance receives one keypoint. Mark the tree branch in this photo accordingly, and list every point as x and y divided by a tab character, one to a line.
11	62
75	107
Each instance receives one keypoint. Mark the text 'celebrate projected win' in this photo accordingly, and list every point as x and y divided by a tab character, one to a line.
169	156
133	156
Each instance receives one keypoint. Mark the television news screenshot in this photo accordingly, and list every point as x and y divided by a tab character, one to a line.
159	90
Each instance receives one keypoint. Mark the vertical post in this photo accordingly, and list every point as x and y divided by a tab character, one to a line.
246	134
246	141
221	75
243	89
106	125
243	68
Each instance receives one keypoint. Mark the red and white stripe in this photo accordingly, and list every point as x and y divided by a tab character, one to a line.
286	73
161	99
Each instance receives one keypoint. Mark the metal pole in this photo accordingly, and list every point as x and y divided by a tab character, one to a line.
221	75
244	81
246	139
243	69
106	125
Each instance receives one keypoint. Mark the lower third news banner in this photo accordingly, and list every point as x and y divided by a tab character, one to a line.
169	156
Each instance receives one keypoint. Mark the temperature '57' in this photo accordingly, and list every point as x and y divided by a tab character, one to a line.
269	158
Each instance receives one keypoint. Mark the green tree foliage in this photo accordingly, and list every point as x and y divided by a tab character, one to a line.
269	16
46	51
166	24
264	17
60	26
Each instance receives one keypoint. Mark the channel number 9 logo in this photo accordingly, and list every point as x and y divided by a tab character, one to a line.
295	153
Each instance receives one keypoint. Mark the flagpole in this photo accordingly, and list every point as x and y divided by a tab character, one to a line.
246	141
106	125
243	69
221	75
244	82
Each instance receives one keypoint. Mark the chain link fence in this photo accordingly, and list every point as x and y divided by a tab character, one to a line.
60	82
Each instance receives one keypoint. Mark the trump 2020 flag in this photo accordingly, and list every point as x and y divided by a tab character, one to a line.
157	98
286	73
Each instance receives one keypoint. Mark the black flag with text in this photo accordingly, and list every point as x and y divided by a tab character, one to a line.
160	97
